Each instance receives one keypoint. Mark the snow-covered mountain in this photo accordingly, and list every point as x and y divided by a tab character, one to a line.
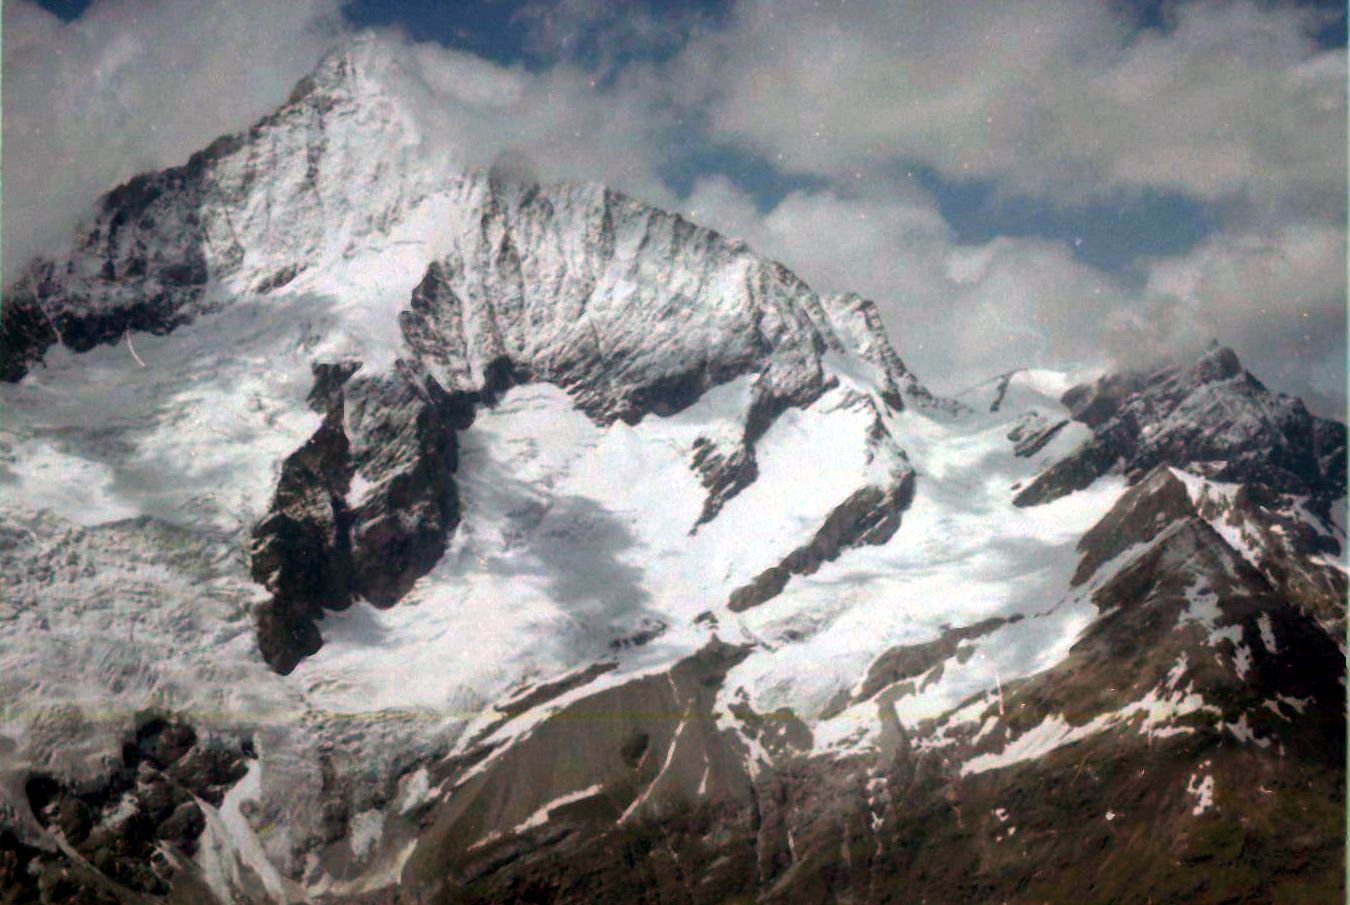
380	530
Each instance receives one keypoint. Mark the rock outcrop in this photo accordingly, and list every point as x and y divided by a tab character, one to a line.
324	542
870	516
1212	416
134	829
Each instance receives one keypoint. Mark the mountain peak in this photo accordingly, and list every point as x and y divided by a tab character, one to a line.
1217	363
1211	416
355	68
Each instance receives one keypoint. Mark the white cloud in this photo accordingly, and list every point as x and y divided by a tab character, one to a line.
1233	102
1278	297
1230	103
561	123
134	85
568	124
959	313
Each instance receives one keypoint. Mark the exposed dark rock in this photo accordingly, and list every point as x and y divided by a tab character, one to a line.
317	550
119	823
20	865
1033	433
1096	403
404	443
779	733
912	660
1212	417
1154	505
857	321
913	823
547	691
634	747
1287	549
650	631
870	516
1329	449
433	327
1074	472
1290	549
914	827
607	385
278	279
302	549
1001	390
725	474
160	743
608	382
395	436
643	790
649	744
142	267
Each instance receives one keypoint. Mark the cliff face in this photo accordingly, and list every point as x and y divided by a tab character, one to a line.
377	530
1211	416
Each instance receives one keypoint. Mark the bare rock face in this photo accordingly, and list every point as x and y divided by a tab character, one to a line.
1154	505
870	516
1213	417
1282	469
617	758
404	449
635	312
911	660
323	545
138	825
857	323
1294	547
123	277
504	310
1033	433
472	328
726	473
302	550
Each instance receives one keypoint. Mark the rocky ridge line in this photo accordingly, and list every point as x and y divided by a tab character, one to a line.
1212	417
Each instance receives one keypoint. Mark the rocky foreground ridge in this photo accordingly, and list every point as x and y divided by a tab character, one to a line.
448	539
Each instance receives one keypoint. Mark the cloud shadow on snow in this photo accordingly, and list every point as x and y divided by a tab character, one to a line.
572	544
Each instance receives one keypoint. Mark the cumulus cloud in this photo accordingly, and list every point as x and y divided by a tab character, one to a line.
958	312
1228	102
962	312
562	122
1232	104
134	85
1279	297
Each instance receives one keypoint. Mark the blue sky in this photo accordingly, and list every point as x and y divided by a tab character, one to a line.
1014	181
